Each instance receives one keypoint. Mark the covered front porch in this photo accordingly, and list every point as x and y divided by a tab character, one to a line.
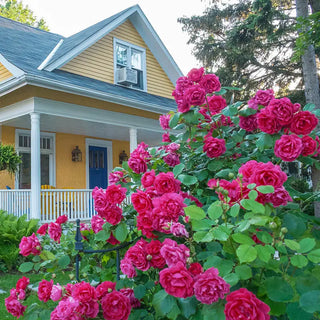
63	126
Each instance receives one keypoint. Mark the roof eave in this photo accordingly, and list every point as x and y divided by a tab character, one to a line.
78	90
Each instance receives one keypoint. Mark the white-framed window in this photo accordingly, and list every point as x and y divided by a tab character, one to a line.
133	58
47	158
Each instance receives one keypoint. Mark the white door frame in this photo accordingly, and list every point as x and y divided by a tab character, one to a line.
103	144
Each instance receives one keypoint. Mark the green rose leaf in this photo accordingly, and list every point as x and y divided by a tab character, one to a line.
187	179
306	245
221	233
291	244
278	289
102	235
264	237
215	165
121	232
234	210
178	169
215	210
299	261
253	195
246	253
295	312
26	267
188	306
243	272
265	252
314	256
265	189
47	255
174	120
64	261
194	212
252	205
232	279
242	239
212	311
139	291
203	236
310	301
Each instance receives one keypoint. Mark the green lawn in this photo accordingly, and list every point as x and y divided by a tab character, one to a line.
8	281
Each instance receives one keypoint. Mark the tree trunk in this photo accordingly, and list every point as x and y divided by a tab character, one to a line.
311	83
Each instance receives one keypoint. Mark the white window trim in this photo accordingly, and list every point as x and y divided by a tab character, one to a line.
52	154
143	62
99	143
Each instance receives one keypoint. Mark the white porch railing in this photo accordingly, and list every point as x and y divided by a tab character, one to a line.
75	203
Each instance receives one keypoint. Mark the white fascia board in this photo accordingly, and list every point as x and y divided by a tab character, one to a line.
17	110
50	55
11	67
78	112
156	46
90	41
11	84
70	88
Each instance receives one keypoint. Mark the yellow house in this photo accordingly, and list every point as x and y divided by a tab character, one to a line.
100	91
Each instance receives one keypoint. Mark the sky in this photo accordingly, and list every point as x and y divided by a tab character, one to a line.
67	17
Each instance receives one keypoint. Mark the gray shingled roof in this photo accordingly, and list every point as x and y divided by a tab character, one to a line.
26	48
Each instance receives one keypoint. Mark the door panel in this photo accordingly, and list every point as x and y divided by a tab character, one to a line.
98	171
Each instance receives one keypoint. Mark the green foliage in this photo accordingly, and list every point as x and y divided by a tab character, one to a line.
9	159
15	10
12	231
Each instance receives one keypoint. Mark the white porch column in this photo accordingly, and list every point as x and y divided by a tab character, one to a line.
35	166
133	139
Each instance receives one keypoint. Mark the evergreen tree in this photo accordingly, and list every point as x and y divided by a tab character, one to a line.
15	10
248	44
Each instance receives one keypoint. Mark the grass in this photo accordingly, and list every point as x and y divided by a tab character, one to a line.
8	281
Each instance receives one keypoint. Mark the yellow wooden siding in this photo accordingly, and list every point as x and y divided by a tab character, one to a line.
4	73
97	61
7	137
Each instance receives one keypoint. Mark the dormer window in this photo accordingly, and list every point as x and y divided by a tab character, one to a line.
129	65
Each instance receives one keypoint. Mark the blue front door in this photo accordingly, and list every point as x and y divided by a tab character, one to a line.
98	170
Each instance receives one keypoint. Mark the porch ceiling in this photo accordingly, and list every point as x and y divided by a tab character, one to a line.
87	128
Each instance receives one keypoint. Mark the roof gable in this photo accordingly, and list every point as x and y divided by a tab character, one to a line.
74	45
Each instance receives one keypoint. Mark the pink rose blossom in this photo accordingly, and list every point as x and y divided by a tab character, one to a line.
268	122
166	182
210	83
280	197
84	292
309	146
183	83
62	219
153	252
56	292
43	229
116	306
263	97
100	200
194	96
289	147
177	281
214	147
248	123
96	223
173	252
66	308
179	230
172	159
115	194
303	122
216	104
22	283
195	75
243	304
44	290
128	292
30	245
209	287
282	109
138	256
127	268
115	177
247	169
148	178
141	201
137	164
55	231
166	137
14	307
164	121
112	214
105	288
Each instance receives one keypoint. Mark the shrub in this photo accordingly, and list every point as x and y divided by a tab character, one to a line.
215	229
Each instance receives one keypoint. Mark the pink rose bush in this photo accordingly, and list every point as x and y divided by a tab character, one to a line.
207	224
